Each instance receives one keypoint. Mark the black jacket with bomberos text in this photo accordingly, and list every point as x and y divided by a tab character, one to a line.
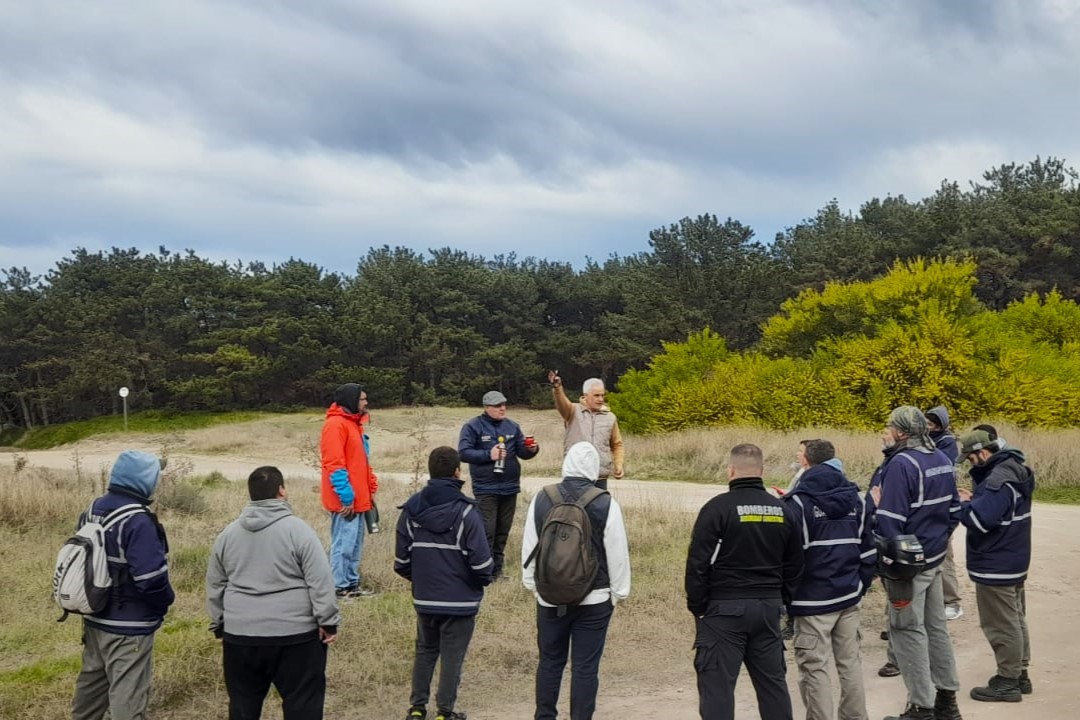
745	545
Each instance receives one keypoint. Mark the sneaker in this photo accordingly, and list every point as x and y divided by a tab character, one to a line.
353	592
450	715
416	712
953	612
342	593
1026	687
914	712
888	670
362	592
999	689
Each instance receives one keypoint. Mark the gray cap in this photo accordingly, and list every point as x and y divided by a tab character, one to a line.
493	397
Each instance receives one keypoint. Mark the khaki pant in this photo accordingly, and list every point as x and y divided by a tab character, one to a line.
949	584
817	639
115	676
920	640
1003	619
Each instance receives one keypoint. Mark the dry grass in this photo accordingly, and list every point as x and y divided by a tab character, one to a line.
370	667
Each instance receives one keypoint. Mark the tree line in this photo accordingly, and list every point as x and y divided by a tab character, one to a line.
185	333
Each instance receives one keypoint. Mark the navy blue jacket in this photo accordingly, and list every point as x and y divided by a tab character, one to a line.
943	439
138	562
918	497
838	543
998	519
443	549
481	434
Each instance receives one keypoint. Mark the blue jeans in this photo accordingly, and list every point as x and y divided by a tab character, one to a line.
346	547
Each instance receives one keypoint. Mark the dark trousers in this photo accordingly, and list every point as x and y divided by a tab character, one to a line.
579	633
498	512
446	637
297	671
734	632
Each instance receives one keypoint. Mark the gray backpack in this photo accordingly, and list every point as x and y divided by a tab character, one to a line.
566	565
81	580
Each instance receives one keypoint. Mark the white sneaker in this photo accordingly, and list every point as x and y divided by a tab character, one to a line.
953	612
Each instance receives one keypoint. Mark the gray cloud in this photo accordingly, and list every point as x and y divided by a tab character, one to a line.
269	130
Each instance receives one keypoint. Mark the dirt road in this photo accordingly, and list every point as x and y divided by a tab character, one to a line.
1053	612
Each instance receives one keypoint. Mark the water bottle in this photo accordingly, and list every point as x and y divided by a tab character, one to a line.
501	461
371	517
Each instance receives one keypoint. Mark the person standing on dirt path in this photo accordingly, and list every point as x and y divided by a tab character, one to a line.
840	558
441	548
578	630
591	420
937	422
118	641
744	561
270	598
492	444
997	515
348	487
913	492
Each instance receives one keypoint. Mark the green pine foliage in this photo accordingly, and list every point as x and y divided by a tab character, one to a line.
846	355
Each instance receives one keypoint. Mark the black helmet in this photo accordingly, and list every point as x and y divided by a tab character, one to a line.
900	557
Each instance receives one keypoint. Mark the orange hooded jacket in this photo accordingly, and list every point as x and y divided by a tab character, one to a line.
342	448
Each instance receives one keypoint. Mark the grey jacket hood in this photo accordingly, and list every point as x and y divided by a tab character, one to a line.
261	514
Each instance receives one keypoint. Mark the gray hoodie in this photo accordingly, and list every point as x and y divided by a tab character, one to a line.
269	577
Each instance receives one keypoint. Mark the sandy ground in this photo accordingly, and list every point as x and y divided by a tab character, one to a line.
670	693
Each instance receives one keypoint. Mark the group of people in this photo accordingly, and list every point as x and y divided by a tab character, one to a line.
817	548
273	592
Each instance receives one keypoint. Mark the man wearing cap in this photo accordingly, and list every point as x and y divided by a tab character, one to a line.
492	444
997	515
914	493
118	642
590	420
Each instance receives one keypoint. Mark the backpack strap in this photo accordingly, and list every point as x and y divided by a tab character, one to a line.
589	495
120	514
552	491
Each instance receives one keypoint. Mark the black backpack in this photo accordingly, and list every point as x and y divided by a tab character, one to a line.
566	566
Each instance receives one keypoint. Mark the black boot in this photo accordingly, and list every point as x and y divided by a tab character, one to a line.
945	707
1025	683
914	712
999	689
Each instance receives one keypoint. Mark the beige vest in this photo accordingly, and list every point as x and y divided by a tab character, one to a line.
591	427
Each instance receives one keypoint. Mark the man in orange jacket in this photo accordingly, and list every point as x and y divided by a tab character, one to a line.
348	486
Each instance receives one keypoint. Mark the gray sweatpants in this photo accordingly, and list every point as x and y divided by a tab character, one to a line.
1003	618
115	676
817	639
921	642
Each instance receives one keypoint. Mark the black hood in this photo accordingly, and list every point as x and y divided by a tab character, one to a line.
1010	467
348	397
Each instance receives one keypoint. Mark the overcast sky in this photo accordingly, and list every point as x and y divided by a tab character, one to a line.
260	130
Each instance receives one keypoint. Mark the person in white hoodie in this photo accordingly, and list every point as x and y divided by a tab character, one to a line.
578	630
270	597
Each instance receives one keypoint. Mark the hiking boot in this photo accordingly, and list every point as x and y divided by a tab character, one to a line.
914	712
1025	683
999	689
417	712
953	612
888	670
450	715
945	707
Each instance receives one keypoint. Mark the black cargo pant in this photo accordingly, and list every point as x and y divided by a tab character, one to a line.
445	639
297	671
498	514
731	633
